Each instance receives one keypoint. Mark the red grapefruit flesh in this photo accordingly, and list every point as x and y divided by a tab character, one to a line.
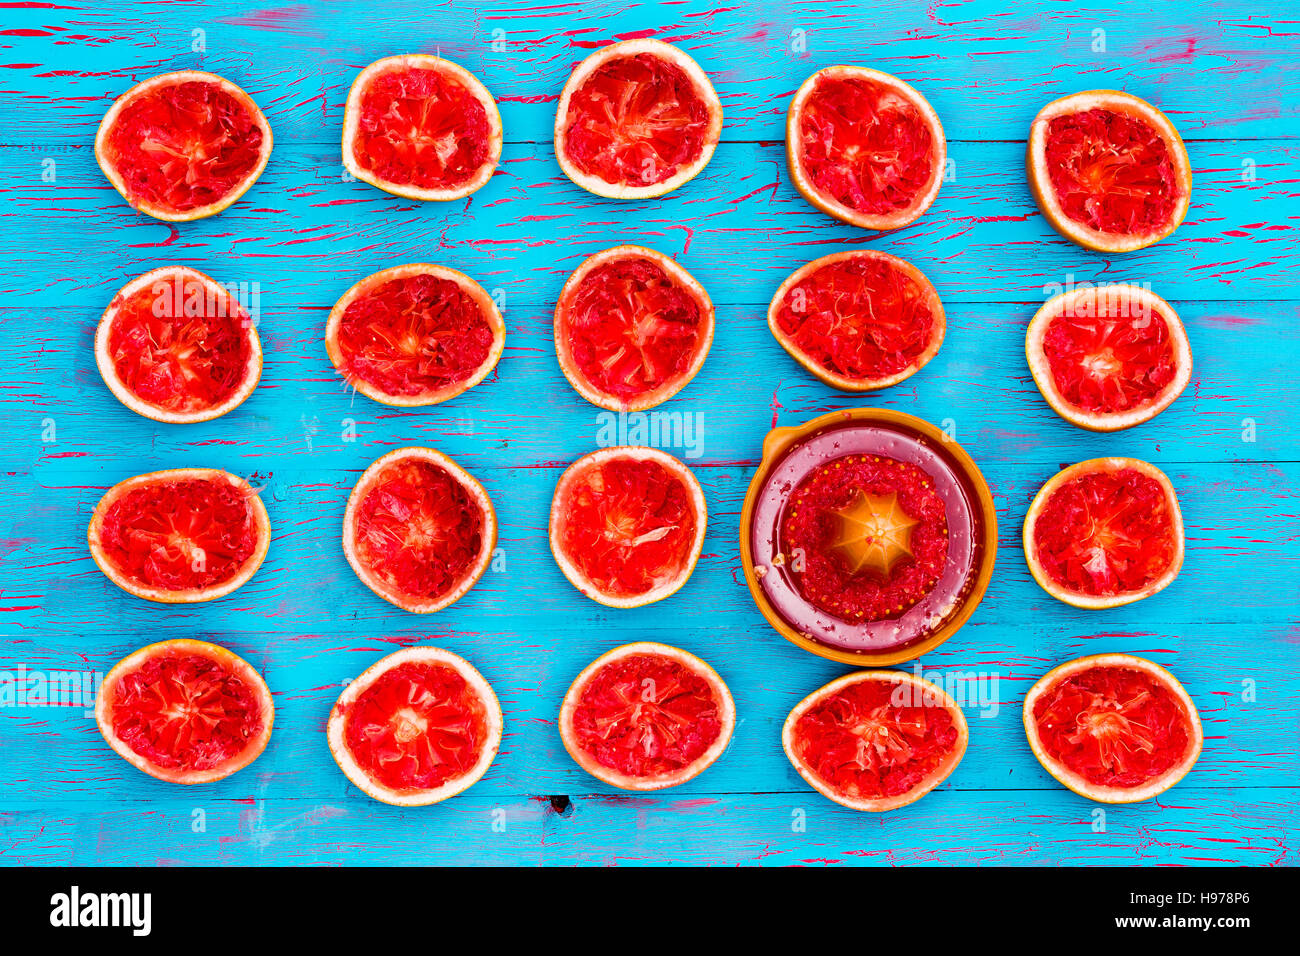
636	120
421	127
632	328
647	716
183	146
180	536
627	525
174	345
875	740
1113	728
415	335
865	147
417	727
419	530
185	711
1108	358
1109	170
871	536
858	320
1105	532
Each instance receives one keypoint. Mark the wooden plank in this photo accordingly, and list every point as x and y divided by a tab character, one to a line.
1241	531
986	69
1247	700
301	228
1219	828
1237	408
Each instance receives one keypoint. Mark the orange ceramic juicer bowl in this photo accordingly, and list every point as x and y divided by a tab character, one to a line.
804	453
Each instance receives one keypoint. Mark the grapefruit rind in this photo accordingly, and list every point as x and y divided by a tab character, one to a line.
1040	366
186	647
476	492
922	686
336	726
423	61
486	305
830	205
842	382
563	347
1040	181
108	371
1089	601
1099	793
636	453
194	595
573	697
170	79
629	48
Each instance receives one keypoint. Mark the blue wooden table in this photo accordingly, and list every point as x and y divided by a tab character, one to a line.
1228	627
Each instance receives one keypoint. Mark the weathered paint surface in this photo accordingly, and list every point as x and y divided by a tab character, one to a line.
1228	627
